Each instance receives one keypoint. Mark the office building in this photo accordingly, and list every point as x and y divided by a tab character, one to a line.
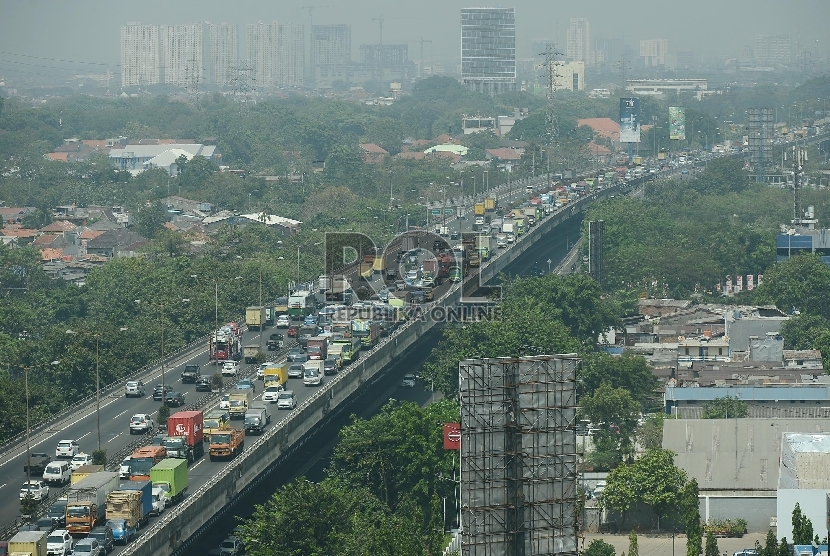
653	52
579	40
772	50
139	55
291	58
181	54
331	44
488	49
387	62
222	57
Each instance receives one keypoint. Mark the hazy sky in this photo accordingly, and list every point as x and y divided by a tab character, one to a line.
89	30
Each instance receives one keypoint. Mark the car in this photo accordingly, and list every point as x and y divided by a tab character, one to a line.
246	383
275	341
36	463
59	543
454	235
124	470
329	366
103	534
408	381
286	400
67	449
479	221
46	524
160	391
37	488
684	171
174	399
134	389
400	285
191	373
295	352
203	384
225	402
88	547
80	460
230	368
599	488
295	370
292	331
310	320
231	547
57	512
272	394
412	276
283	321
141	423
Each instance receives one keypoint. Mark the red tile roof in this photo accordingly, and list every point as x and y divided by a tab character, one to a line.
18	232
505	153
60	157
415	155
45	239
51	254
60	226
91	234
372	148
603	127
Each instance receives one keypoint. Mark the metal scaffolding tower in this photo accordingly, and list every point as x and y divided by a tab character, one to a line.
596	229
518	456
761	122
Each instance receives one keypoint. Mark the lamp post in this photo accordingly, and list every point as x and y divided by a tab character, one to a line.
97	337
162	312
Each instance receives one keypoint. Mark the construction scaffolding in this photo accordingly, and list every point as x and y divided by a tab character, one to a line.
596	230
518	456
760	135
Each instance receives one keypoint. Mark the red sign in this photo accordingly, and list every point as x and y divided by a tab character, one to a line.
452	436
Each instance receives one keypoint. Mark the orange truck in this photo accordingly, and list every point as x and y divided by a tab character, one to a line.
143	459
226	444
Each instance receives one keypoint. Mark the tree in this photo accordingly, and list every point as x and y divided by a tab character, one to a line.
726	407
690	511
711	545
628	371
616	413
770	545
650	433
599	547
633	549
99	457
801	283
802	527
151	216
784	548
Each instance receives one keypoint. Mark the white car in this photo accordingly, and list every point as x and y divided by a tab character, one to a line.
230	368
283	322
124	471
225	402
57	472
286	400
141	423
479	221
67	449
37	488
271	394
59	543
134	388
260	372
80	460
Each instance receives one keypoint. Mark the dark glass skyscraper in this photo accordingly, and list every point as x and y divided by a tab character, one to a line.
488	49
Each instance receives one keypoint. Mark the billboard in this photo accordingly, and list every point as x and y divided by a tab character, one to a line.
629	120
677	123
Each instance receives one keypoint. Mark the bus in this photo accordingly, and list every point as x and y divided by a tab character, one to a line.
143	459
300	304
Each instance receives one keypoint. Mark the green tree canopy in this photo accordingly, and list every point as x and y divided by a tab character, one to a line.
726	407
599	547
616	413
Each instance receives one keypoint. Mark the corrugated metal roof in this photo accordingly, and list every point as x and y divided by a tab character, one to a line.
759	393
805	461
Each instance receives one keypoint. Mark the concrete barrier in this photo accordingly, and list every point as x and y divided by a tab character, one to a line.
201	508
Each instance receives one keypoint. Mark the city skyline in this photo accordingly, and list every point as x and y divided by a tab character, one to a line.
86	35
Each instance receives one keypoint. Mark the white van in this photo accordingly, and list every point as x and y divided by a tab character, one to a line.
313	373
57	472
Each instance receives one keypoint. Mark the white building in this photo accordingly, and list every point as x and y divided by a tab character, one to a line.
804	478
291	60
262	52
772	50
579	40
181	54
140	61
222	53
653	52
657	87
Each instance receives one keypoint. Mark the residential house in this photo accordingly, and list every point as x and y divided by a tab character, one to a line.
115	243
134	158
373	154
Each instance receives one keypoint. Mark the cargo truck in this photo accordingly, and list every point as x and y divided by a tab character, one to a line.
255	317
240	400
324	283
275	375
189	427
269	316
256	419
133	505
313	373
521	226
508	228
530	215
86	501
216	420
366	331
227	444
281	306
317	347
143	459
483	246
350	350
171	476
251	353
28	543
379	264
478	209
489	203
83	472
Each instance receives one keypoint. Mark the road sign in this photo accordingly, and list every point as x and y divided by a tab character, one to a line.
452	436
435	211
448	211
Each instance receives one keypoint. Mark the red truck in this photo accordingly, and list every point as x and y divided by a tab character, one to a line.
317	347
185	434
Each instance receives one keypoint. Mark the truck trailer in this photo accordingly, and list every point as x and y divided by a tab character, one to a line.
86	501
171	476
190	427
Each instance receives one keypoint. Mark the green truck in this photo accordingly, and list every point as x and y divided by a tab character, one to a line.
349	350
171	476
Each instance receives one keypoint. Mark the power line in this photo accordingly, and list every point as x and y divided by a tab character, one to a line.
57	59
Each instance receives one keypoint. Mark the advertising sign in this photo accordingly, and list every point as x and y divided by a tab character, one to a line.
629	120
452	436
740	285
749	282
677	123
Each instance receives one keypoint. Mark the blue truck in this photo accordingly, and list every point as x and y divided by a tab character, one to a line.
146	490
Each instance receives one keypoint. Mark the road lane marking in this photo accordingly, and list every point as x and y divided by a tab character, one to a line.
197	464
87	434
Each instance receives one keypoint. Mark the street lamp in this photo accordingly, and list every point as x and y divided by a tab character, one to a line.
162	312
97	337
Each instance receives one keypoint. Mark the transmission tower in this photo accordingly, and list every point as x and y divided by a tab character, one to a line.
551	64
799	158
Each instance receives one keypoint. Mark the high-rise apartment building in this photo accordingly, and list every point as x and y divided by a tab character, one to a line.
488	49
772	50
222	53
388	61
182	54
331	44
653	52
578	38
139	55
291	58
